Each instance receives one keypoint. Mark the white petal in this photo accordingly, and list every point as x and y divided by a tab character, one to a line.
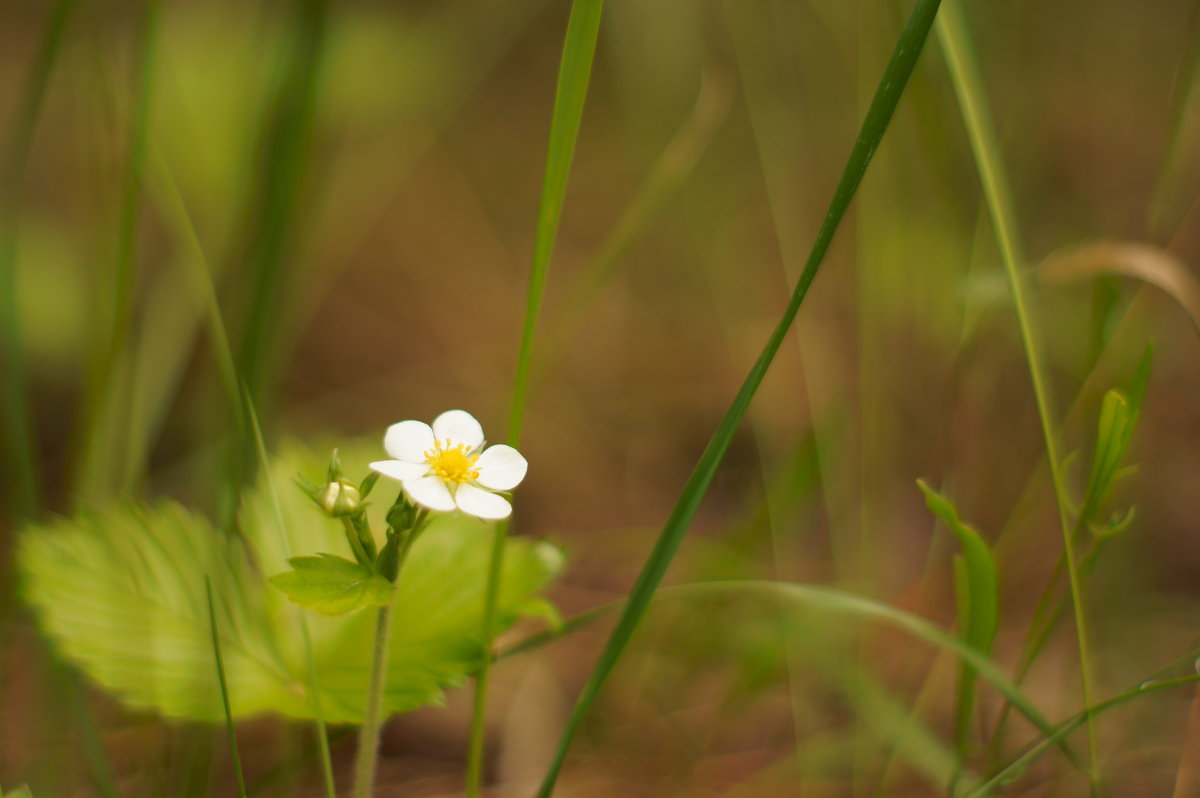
430	492
501	467
399	469
409	440
481	504
458	426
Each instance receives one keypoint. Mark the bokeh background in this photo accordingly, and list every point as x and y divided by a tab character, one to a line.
362	179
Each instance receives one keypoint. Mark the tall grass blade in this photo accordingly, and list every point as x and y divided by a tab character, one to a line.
892	84
575	69
968	87
285	149
669	174
1182	90
216	646
325	756
94	753
17	420
579	48
241	403
106	422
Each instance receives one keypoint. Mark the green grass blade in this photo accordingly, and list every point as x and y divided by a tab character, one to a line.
968	87
285	149
825	599
579	49
1169	173
669	174
175	211
216	646
106	422
895	78
322	732
17	420
1059	734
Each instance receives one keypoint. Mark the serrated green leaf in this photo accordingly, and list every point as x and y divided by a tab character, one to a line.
332	585
121	593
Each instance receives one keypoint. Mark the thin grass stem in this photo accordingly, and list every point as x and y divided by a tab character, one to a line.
879	114
285	149
94	753
1007	774
1182	90
955	38
105	424
368	733
220	663
575	69
319	717
668	175
17	419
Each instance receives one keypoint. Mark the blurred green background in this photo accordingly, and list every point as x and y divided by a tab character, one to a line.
360	180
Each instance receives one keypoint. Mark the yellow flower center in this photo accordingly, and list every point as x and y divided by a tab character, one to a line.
452	463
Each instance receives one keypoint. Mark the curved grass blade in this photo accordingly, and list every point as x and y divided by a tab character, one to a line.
579	49
975	584
1059	734
832	600
1145	262
895	78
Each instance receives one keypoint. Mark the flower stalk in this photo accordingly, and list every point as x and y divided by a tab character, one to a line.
369	732
442	467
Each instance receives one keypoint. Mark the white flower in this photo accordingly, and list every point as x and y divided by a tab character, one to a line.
444	467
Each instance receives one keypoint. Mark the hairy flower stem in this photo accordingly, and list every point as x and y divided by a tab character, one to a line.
368	733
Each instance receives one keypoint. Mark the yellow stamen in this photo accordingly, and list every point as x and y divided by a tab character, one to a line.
452	463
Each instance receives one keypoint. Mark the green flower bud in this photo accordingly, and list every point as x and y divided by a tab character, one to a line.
340	498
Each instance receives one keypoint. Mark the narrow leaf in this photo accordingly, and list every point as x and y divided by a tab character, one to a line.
234	754
979	572
575	70
887	95
975	587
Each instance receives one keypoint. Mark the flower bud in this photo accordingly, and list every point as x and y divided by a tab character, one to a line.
402	514
340	498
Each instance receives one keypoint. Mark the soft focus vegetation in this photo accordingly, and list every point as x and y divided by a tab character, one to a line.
226	227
